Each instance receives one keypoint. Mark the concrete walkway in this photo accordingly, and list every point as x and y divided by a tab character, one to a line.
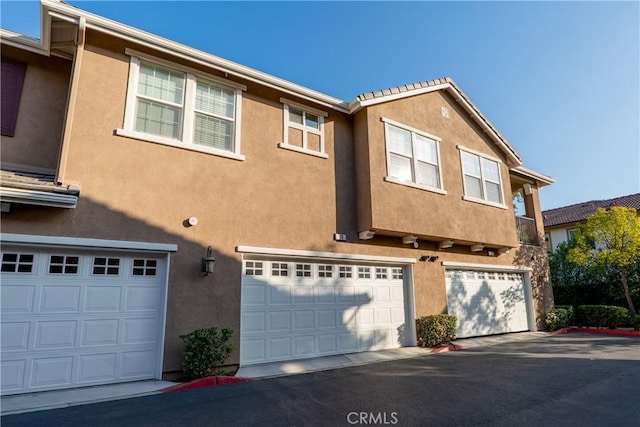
80	396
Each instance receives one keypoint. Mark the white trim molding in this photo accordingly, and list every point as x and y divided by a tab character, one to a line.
80	242
38	198
487	267
295	253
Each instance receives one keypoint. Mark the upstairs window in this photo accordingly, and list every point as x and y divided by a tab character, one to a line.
303	129
413	157
11	80
176	106
482	181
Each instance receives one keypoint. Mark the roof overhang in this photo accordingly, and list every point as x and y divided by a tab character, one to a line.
51	9
540	179
448	85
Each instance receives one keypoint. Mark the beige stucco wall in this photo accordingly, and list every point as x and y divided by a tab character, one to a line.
406	210
36	142
141	191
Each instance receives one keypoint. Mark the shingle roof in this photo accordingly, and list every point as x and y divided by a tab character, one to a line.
580	211
404	88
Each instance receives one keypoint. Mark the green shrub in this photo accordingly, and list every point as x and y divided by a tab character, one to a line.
602	316
558	318
436	330
205	349
635	322
572	313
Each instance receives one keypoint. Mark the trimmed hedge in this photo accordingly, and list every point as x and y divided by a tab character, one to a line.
572	313
558	318
635	322
602	316
436	330
205	350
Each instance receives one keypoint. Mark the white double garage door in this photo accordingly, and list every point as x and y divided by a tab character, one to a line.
73	318
301	309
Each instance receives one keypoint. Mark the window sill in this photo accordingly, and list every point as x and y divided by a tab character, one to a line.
303	150
177	144
484	202
414	185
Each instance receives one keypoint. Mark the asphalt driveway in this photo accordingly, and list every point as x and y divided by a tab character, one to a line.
566	380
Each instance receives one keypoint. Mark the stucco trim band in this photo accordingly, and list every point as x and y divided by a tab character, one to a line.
79	242
322	255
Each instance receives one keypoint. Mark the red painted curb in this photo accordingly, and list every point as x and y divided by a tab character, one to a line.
597	331
450	347
205	382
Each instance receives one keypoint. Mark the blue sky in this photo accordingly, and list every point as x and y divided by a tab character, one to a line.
560	80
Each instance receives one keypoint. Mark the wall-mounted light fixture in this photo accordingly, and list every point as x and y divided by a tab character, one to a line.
208	262
477	248
445	244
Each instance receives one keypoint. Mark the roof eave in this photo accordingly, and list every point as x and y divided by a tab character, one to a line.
540	179
126	32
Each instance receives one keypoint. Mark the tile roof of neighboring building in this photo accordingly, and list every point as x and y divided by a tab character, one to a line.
580	211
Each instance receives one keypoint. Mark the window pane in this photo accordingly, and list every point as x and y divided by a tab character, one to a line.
490	170
399	141
470	164
212	132
426	150
295	116
312	121
493	192
214	100
428	175
400	167
161	84
158	119
473	187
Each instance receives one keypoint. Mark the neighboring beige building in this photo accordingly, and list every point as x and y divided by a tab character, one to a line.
333	225
560	223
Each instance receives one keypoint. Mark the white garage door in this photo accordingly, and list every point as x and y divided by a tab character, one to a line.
78	318
294	310
487	302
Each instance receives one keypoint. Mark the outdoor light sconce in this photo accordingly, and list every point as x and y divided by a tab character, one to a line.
208	262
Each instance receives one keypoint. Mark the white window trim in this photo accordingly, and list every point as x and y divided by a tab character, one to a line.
482	179
191	76
286	124
414	160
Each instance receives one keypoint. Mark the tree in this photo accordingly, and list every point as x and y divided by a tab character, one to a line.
616	235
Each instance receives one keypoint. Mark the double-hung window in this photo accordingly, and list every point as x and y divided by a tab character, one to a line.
482	181
179	106
413	157
303	129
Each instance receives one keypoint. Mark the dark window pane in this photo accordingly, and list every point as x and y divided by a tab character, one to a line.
71	269
9	257
25	268
56	259
152	263
8	267
112	270
55	269
26	258
98	270
114	261
151	272
138	271
72	260
138	262
99	261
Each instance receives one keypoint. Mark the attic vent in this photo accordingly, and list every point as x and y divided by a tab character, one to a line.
445	112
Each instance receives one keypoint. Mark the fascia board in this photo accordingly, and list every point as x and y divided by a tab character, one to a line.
544	179
144	38
23	42
81	242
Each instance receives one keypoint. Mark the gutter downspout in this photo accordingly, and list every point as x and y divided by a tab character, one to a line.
71	104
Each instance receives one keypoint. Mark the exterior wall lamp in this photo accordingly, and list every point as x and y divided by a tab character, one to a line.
208	262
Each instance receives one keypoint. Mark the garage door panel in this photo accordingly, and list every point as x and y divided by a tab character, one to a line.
99	332
280	321
80	318
97	367
51	371
303	319
15	336
55	335
333	309
17	299
103	299
12	374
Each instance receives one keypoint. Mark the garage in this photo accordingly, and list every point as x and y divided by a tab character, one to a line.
295	309
488	302
76	317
